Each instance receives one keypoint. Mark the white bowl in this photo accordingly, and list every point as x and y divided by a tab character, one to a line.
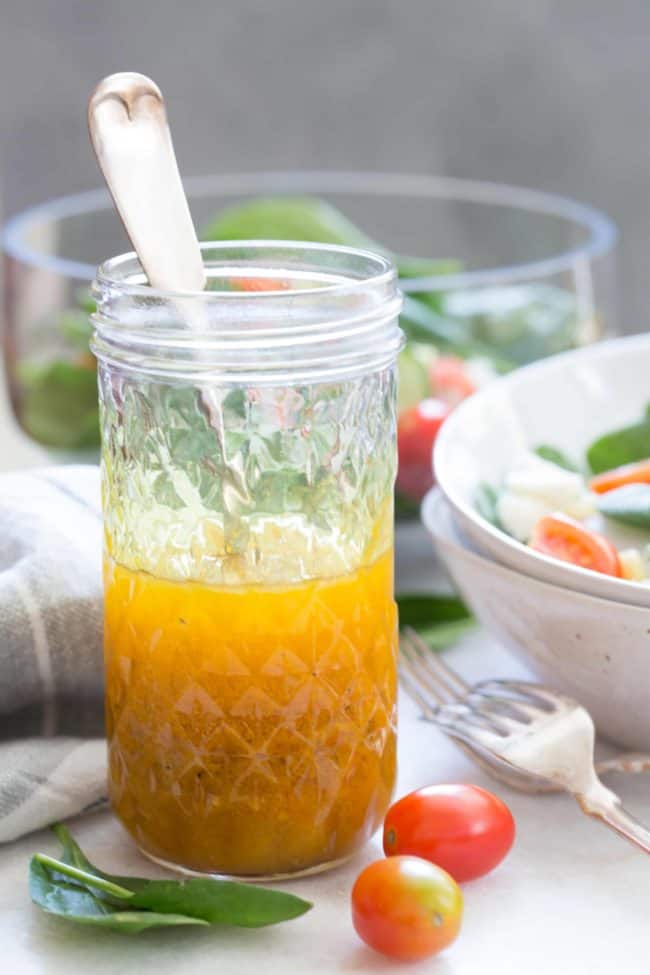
567	401
595	650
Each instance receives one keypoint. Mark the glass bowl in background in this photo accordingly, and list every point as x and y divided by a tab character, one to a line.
494	277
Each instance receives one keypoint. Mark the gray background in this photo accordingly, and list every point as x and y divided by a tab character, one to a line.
546	93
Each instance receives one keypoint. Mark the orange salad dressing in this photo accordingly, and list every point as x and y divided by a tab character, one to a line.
251	730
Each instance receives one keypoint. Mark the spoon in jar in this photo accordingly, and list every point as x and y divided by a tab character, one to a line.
129	132
130	135
127	121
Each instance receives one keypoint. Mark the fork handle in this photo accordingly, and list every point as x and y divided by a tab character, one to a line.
601	803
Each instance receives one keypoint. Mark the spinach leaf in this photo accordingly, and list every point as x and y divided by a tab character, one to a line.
220	901
444	635
55	894
624	446
75	889
520	322
486	501
76	327
424	267
405	508
301	218
421	611
439	620
421	322
85	301
308	218
95	882
629	504
555	456
59	406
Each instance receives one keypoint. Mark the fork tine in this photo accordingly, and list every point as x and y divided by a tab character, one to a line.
504	707
534	693
432	664
411	685
438	661
470	726
418	662
411	666
417	665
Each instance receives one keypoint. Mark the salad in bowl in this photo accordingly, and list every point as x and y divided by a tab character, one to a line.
594	513
547	470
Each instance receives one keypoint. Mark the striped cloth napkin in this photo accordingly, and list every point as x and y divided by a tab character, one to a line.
52	750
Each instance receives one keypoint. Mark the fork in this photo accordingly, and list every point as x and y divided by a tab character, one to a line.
522	733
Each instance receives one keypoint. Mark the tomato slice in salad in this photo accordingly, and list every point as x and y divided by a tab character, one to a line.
638	473
568	540
450	380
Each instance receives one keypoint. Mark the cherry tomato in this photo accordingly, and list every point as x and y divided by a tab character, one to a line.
463	829
406	908
417	429
619	476
569	541
449	379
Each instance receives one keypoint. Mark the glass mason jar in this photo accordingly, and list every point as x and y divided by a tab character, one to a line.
248	445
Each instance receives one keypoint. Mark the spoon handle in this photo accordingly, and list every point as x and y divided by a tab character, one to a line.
131	138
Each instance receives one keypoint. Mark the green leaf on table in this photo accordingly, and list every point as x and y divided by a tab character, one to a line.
405	508
94	882
486	501
220	901
629	504
421	610
624	446
439	619
55	894
555	456
444	635
75	889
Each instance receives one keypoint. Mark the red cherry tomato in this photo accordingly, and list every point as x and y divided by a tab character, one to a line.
620	476
449	379
406	908
463	829
568	540
417	429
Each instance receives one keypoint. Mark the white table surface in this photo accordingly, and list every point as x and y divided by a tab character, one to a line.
571	898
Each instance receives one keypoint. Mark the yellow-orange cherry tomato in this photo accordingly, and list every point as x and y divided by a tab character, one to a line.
406	907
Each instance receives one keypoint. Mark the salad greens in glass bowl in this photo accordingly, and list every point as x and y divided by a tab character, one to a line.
493	277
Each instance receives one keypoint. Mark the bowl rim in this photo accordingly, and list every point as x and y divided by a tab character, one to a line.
435	499
596	351
601	239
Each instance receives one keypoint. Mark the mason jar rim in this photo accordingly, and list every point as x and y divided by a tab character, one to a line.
107	273
342	321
